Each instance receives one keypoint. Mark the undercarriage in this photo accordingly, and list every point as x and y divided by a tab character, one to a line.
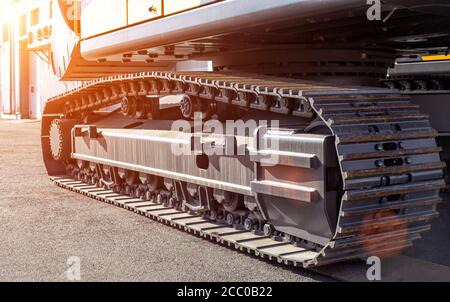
304	172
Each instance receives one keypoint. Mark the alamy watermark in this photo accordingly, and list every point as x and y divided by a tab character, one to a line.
374	12
232	138
73	272
72	9
374	270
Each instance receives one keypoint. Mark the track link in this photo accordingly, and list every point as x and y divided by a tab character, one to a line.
390	164
220	232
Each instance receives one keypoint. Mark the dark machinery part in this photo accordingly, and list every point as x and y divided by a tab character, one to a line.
60	139
391	172
419	76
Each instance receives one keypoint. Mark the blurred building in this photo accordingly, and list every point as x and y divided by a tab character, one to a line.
26	76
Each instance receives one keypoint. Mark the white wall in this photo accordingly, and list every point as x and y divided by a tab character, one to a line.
4	78
41	77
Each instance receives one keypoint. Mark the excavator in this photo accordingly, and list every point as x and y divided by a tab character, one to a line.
286	129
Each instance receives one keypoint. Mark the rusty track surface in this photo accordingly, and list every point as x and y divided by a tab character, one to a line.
390	164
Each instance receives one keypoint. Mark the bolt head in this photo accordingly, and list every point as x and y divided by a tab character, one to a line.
230	219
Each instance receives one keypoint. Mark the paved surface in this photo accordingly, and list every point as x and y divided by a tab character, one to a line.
42	226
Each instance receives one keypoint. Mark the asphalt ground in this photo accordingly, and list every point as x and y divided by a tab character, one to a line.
43	226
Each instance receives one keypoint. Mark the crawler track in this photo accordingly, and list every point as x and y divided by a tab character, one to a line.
220	232
390	164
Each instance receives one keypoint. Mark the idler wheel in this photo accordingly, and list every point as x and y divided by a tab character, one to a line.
230	219
192	107
248	224
128	106
60	139
188	107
